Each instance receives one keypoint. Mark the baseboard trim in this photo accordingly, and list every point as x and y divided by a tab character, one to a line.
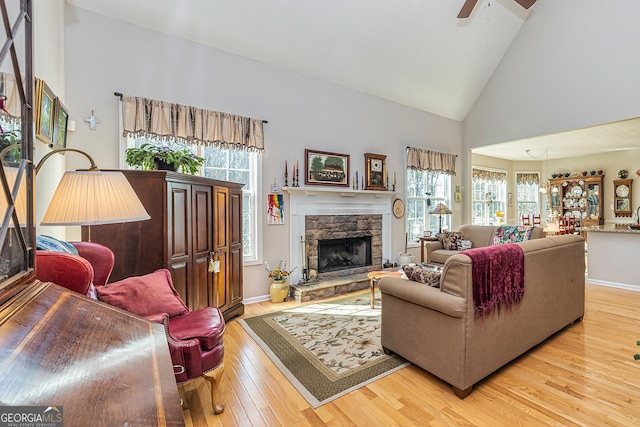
613	284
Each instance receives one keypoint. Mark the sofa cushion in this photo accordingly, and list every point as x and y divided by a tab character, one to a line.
423	274
144	295
449	239
512	234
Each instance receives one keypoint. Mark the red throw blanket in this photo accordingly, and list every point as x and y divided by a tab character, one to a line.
498	276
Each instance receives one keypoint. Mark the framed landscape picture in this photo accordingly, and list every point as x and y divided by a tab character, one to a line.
61	119
45	100
376	171
324	168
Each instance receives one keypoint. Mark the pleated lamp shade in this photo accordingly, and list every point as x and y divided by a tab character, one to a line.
93	198
20	204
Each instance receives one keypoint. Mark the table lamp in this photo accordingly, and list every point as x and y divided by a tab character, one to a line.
440	209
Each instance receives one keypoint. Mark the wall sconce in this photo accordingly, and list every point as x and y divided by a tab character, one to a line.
92	197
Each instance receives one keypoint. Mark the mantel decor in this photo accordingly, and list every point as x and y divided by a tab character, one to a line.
376	171
324	168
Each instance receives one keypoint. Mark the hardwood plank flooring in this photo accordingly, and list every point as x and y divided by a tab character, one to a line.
583	376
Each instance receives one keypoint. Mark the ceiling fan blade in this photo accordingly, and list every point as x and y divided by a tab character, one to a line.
526	3
467	8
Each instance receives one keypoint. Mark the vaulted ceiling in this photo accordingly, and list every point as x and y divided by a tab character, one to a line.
414	52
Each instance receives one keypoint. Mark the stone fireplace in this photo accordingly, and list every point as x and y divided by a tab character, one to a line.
323	214
341	245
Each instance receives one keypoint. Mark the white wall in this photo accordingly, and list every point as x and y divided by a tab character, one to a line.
105	55
572	65
48	47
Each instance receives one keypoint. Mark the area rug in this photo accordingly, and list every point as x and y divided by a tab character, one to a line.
325	349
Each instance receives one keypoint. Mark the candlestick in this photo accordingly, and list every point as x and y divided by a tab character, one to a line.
297	178
357	181
353	183
363	183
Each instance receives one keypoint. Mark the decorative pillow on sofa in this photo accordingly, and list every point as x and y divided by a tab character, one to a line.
144	295
512	234
422	274
449	239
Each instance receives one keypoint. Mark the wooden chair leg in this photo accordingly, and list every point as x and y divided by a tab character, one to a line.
213	378
462	393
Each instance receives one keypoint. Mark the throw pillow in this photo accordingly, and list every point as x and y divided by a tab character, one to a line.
144	295
48	243
512	234
449	239
422	274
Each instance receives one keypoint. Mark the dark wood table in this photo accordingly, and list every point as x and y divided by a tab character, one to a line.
422	240
104	366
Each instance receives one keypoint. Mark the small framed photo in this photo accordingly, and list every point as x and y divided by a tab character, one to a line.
324	168
61	118
44	114
375	171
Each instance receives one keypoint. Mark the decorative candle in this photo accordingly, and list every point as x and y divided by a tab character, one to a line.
357	177
297	166
394	178
285	166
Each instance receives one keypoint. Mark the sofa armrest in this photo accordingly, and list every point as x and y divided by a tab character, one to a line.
423	295
430	247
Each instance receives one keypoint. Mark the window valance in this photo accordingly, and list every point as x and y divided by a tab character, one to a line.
155	119
527	178
487	175
426	160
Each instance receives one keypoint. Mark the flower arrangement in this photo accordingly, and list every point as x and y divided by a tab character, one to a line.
147	156
499	214
280	272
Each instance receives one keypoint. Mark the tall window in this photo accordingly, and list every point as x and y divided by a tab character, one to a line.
527	194
425	189
489	194
227	165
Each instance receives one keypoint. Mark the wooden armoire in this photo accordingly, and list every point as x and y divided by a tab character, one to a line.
195	231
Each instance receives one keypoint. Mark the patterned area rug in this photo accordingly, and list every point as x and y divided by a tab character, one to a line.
325	349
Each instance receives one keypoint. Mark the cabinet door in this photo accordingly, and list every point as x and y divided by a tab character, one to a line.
202	235
235	259
179	239
221	297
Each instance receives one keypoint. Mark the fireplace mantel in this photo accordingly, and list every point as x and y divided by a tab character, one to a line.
346	192
305	201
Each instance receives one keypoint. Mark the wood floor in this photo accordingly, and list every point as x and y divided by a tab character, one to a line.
583	376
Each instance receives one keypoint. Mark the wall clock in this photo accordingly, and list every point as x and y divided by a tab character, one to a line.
398	208
622	203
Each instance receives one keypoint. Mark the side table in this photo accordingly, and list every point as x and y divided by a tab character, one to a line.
375	276
422	240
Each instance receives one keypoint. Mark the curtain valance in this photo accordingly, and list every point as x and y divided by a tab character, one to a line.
487	175
527	178
426	160
162	120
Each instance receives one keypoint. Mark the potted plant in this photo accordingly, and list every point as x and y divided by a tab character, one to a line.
7	139
153	157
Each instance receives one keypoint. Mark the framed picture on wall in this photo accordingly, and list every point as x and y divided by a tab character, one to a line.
61	119
45	104
375	171
324	168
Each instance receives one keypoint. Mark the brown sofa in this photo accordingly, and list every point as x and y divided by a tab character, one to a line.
436	328
480	236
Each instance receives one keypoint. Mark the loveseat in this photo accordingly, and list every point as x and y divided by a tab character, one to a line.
479	235
438	328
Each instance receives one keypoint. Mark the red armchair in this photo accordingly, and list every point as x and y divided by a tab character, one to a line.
195	337
93	265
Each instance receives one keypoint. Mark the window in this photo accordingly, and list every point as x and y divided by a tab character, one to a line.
425	189
227	165
489	194
527	194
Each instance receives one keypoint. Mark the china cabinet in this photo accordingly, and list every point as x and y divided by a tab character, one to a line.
578	197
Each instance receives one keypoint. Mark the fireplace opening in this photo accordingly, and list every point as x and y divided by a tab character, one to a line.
341	254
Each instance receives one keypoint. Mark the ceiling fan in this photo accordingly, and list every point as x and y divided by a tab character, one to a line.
468	6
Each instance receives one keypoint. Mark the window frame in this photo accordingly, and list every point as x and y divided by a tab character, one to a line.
537	209
498	202
429	222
